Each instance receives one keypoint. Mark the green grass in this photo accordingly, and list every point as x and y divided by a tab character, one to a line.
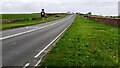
28	23
85	43
20	16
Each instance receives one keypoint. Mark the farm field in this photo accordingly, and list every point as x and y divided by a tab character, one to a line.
4	26
19	16
85	43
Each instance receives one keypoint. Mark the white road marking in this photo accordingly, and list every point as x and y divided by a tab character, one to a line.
6	37
51	42
26	65
41	59
49	45
38	62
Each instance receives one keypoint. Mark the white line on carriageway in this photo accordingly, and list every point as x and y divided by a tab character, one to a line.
6	37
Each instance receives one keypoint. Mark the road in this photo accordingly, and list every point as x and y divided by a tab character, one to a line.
21	45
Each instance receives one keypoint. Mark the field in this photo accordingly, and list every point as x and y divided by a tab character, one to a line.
28	23
19	16
85	43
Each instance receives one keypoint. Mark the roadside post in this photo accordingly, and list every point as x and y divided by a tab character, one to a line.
43	14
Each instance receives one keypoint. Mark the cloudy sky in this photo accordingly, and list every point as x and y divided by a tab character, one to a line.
99	7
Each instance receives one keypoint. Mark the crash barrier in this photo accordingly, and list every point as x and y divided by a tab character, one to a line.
109	21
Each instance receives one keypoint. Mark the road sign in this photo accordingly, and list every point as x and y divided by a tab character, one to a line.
42	13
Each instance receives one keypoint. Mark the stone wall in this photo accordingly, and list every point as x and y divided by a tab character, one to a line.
110	21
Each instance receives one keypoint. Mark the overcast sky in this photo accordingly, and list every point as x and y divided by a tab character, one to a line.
99	7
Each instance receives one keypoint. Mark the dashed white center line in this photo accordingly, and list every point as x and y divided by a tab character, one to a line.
6	37
26	65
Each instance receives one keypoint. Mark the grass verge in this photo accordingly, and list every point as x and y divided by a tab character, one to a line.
29	23
85	43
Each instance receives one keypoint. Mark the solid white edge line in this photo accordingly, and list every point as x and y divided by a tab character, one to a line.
51	42
29	30
26	65
38	62
49	45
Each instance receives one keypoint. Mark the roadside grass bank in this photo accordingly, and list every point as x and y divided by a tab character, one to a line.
85	43
11	25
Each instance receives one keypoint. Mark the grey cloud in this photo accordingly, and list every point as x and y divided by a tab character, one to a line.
59	0
104	8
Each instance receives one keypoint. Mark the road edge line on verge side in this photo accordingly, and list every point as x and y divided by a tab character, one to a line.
50	44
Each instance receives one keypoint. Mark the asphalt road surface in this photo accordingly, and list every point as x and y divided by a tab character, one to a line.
21	45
